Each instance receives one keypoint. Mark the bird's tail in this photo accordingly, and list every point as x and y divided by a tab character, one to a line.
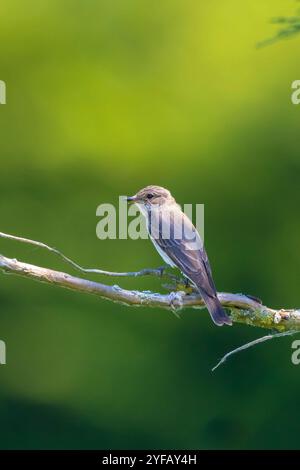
217	313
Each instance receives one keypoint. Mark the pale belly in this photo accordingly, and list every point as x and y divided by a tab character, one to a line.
164	256
159	250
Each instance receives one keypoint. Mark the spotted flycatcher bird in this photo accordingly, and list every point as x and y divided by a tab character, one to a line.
179	244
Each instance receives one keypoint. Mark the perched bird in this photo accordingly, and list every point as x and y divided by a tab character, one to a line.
179	244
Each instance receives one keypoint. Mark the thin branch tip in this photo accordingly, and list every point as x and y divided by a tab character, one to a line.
253	343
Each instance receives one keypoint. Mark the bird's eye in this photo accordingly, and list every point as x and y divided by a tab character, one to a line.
150	196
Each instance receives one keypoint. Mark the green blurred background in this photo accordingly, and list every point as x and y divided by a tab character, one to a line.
104	97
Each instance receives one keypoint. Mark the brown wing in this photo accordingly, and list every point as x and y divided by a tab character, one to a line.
187	250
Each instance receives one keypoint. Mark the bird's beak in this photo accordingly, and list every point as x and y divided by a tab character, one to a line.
132	199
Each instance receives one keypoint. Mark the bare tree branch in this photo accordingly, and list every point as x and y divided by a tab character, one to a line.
144	272
254	343
243	309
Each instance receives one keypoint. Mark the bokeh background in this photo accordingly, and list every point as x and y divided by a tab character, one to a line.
103	98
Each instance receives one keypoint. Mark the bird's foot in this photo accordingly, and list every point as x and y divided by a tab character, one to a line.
186	285
175	301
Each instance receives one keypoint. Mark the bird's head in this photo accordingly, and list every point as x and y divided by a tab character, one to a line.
152	196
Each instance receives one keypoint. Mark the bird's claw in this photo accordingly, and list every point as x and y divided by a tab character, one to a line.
175	300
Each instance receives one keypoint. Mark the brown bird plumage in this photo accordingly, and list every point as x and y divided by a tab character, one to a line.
179	244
